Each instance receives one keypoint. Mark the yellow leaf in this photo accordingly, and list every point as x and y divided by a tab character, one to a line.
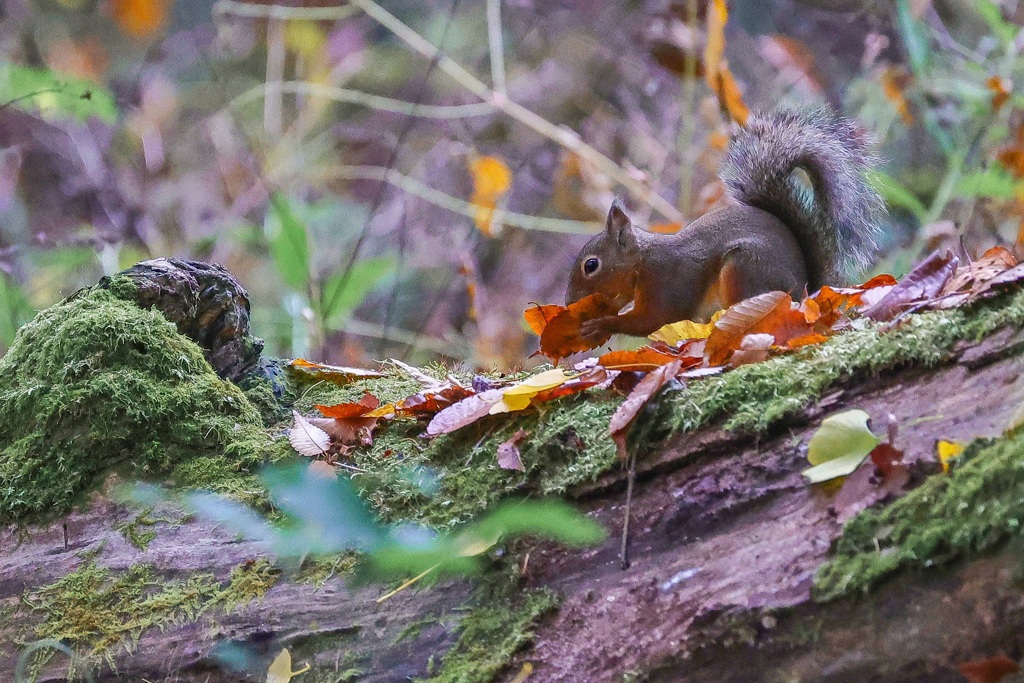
947	450
304	38
491	180
518	396
673	333
280	670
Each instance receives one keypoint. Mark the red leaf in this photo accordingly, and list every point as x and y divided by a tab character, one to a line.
538	317
561	336
637	399
989	670
349	410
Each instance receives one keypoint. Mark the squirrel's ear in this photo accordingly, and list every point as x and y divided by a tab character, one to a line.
618	226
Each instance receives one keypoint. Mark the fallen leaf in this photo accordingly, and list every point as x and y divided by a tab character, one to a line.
1001	89
886	458
626	413
591	378
673	333
946	451
921	284
508	452
426	381
342	411
352	431
645	358
839	446
426	404
537	317
307	439
335	374
280	670
519	395
988	670
465	412
771	313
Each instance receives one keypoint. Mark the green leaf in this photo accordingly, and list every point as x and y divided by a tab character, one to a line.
994	182
289	242
915	36
840	435
833	469
54	95
840	445
896	194
993	15
343	295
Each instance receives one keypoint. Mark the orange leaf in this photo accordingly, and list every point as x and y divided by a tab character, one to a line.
665	228
562	336
989	670
140	18
806	340
1001	89
644	358
714	50
538	317
335	374
731	98
894	83
769	313
343	411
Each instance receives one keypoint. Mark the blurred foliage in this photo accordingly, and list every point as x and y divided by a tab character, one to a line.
375	206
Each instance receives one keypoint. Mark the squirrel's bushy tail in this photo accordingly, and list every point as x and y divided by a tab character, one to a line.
836	219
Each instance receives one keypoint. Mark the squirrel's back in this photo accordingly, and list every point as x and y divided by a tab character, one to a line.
836	218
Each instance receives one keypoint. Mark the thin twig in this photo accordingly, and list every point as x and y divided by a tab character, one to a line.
496	45
562	135
280	12
630	479
350	96
454	204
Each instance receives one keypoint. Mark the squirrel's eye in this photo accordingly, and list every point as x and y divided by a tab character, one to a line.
591	265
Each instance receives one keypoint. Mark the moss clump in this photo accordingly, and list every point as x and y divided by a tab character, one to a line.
95	383
96	611
491	634
978	505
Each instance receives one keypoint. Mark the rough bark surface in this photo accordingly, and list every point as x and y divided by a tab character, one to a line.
726	540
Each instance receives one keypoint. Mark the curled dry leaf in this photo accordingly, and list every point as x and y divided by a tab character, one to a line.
754	348
673	333
921	284
770	313
645	358
537	317
626	413
343	411
335	374
508	452
306	438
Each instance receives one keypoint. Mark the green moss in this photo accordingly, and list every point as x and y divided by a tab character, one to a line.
97	611
978	505
139	530
95	384
492	633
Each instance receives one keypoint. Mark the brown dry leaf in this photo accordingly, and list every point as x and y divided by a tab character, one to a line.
920	285
561	336
626	413
754	348
353	431
645	358
731	98
1012	156
465	412
1001	89
491	180
335	374
771	313
343	411
993	262
306	438
426	404
508	452
989	670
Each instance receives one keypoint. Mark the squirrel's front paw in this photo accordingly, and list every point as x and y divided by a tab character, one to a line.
597	331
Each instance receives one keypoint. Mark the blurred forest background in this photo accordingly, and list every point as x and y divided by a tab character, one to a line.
402	178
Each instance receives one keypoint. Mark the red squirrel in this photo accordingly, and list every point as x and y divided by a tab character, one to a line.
801	215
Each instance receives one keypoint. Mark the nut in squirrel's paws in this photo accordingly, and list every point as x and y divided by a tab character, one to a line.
597	331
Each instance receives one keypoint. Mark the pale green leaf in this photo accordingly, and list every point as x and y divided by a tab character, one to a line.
842	435
832	469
